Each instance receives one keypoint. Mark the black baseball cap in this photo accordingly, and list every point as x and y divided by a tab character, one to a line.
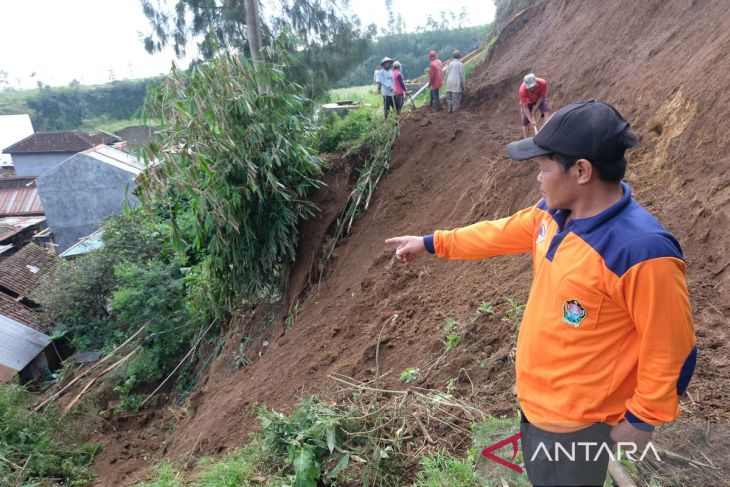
589	129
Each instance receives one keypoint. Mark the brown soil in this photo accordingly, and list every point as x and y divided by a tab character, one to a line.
663	63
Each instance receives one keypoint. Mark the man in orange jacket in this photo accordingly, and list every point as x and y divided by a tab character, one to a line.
607	344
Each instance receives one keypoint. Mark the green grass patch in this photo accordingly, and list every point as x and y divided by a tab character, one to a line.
41	443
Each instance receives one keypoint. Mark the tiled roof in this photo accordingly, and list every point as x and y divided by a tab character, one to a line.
20	313
22	272
18	197
68	141
105	138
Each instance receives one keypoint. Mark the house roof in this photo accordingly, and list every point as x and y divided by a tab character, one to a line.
85	245
117	158
22	272
65	141
12	225
11	308
19	197
12	129
19	345
106	138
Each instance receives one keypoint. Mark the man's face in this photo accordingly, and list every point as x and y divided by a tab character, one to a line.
556	185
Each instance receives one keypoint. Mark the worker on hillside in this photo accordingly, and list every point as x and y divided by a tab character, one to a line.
435	80
606	344
387	84
376	78
533	98
400	87
455	82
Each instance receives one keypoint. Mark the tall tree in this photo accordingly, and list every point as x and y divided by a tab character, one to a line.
324	41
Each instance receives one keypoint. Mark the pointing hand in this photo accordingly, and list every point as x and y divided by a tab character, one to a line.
407	247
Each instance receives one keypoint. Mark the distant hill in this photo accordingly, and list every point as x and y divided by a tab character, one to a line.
78	106
411	50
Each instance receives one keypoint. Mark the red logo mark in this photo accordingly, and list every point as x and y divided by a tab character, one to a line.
514	441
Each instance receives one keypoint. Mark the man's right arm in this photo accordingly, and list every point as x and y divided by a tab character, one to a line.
511	235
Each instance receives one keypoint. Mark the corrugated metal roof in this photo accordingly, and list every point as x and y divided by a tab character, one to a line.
85	245
116	158
12	225
19	344
18	197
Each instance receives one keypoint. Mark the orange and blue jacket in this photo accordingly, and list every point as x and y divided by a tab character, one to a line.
607	332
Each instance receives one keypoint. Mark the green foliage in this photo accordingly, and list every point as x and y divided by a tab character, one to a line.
312	436
323	41
165	476
411	50
238	169
485	307
245	467
515	310
40	441
487	432
78	107
452	336
363	94
135	279
409	375
441	470
337	130
128	402
375	146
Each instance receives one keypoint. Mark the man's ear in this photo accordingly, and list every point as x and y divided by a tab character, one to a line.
583	170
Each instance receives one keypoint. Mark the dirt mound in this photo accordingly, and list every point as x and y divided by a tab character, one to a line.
662	63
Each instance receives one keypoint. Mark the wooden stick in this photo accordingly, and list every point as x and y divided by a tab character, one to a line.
15	466
100	362
423	429
116	364
677	456
619	474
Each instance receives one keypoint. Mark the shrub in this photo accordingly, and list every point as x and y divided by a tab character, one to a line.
238	159
337	130
40	441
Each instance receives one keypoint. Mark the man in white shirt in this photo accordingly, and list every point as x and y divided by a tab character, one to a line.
455	82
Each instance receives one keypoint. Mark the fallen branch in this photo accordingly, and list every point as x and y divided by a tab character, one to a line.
14	465
116	364
423	429
677	456
99	363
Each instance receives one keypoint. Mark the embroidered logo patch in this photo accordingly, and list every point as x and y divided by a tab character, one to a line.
573	312
542	234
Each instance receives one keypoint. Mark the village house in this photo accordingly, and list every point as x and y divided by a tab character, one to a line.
79	192
43	151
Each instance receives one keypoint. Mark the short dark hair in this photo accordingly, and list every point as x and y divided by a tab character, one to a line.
608	170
